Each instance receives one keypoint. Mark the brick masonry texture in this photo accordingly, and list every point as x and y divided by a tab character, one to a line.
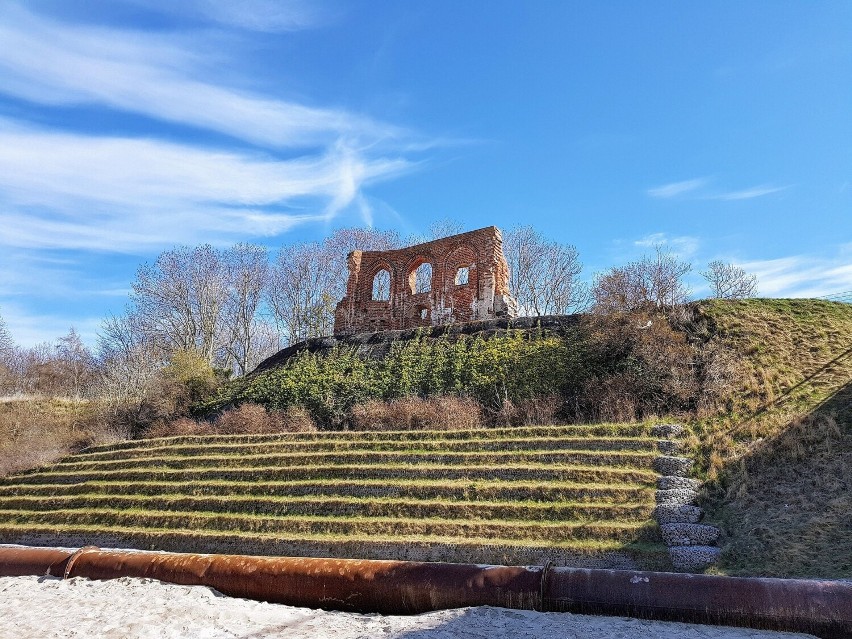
446	299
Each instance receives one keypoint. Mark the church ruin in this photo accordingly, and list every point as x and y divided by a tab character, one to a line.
460	278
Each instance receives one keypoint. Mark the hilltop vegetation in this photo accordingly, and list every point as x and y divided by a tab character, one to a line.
779	450
764	386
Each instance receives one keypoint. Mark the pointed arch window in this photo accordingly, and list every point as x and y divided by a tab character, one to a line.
422	280
381	286
463	276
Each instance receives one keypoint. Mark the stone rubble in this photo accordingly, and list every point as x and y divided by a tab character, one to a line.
682	534
677	466
678	514
690	543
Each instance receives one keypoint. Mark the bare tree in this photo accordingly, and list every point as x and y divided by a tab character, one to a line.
438	229
652	281
7	359
543	274
247	268
180	300
729	282
300	291
307	280
6	342
129	359
75	365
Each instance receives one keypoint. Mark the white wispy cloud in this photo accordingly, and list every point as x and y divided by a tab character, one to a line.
747	194
675	189
802	275
78	191
684	246
164	77
702	189
273	16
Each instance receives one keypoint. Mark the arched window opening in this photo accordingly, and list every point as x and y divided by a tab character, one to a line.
462	275
381	286
422	280
424	313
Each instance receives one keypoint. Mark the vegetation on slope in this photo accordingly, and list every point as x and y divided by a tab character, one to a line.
765	386
779	453
484	495
601	368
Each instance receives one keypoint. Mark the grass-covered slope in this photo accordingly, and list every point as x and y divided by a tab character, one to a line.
779	453
579	495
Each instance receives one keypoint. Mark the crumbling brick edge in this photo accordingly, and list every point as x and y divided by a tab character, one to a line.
692	545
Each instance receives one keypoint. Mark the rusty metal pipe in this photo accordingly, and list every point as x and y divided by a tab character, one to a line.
388	587
822	608
23	560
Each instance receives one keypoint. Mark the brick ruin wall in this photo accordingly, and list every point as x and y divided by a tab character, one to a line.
391	290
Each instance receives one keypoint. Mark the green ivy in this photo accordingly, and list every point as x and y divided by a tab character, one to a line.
514	367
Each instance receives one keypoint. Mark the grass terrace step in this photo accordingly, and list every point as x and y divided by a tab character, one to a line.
505	472
340	507
342	526
502	495
552	491
591	430
217	541
368	458
645	444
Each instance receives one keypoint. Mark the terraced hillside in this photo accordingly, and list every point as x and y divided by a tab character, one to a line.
578	495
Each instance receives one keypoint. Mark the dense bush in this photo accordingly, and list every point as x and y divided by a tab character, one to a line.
417	413
246	419
40	431
637	364
515	368
613	367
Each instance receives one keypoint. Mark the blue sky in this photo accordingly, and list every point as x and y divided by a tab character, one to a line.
721	129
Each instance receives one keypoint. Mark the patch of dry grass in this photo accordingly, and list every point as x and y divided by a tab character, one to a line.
35	431
417	413
779	454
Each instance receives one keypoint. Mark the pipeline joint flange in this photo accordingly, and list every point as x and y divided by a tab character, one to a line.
73	558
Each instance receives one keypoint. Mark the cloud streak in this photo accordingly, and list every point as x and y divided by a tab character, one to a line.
683	246
750	193
272	16
700	189
160	77
76	191
676	189
90	191
801	275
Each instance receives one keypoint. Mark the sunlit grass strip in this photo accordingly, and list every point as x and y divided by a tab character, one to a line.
366	526
343	506
369	458
432	445
427	488
596	430
508	472
578	545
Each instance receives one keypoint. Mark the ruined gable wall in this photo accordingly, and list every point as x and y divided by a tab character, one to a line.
484	296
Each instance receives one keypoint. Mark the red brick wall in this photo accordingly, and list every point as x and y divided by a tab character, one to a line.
485	296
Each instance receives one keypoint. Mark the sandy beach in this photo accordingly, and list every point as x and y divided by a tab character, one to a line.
46	607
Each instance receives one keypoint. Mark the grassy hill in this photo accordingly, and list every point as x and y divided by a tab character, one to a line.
765	390
779	451
580	495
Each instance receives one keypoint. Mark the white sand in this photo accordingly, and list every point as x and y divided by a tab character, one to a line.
44	607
